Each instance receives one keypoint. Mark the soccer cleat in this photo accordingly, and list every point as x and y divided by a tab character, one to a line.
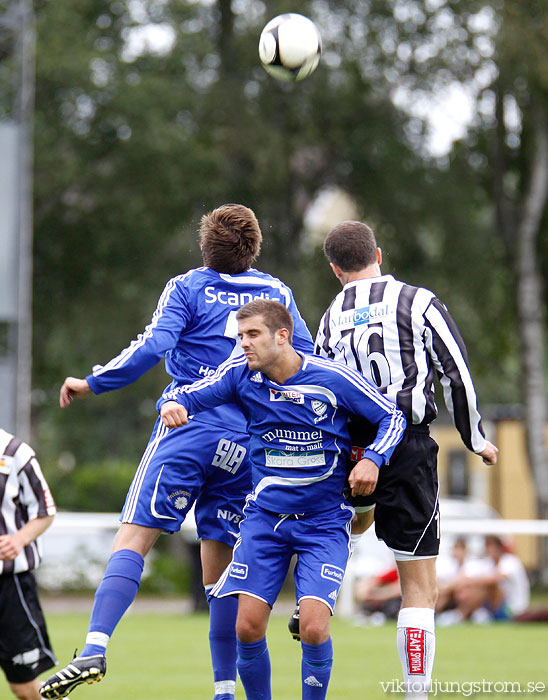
293	625
82	669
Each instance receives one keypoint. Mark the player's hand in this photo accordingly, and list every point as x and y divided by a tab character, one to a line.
9	547
489	454
363	478
73	388
173	414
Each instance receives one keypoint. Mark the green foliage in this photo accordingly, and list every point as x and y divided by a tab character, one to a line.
98	486
133	145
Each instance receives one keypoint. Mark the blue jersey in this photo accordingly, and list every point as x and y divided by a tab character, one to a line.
194	327
299	441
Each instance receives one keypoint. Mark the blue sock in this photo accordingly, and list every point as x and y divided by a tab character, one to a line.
316	669
115	594
254	669
222	644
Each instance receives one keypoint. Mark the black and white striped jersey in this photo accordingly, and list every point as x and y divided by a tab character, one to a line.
24	495
399	337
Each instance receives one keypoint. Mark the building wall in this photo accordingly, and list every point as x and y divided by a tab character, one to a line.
508	487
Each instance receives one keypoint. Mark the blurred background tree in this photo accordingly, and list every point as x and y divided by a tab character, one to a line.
148	114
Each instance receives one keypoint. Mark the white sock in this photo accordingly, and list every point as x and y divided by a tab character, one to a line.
416	646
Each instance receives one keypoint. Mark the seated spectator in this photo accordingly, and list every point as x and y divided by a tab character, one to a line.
450	569
498	590
380	593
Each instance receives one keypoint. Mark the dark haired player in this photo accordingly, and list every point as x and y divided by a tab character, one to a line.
194	327
399	337
297	407
27	510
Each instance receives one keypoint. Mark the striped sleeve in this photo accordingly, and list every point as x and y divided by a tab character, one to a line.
35	493
449	356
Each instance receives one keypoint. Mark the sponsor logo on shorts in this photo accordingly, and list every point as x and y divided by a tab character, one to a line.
179	499
27	658
223	514
286	395
238	570
415	650
280	459
332	572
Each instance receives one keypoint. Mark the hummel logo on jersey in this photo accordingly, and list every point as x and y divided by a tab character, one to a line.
257	377
313	681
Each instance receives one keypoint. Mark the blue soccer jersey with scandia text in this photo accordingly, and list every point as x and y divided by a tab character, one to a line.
299	441
194	327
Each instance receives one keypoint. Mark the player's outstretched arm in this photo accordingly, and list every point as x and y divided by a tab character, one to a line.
173	414
73	388
489	453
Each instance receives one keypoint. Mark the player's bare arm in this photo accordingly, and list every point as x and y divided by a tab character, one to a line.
363	478
73	388
173	414
489	454
11	545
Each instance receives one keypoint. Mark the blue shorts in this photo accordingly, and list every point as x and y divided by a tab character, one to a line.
267	542
198	463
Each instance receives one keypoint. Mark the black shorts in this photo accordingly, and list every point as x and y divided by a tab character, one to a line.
406	497
25	650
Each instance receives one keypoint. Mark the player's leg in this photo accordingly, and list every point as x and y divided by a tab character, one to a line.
25	649
317	648
26	691
259	565
114	595
407	519
323	546
218	512
416	638
147	512
253	656
216	557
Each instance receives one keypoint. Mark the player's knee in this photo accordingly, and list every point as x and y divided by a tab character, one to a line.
313	630
248	631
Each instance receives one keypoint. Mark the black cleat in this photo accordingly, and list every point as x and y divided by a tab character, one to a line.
293	625
82	669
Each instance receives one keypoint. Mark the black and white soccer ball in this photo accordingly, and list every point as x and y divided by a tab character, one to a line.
290	47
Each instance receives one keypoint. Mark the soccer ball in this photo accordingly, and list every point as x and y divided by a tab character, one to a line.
290	47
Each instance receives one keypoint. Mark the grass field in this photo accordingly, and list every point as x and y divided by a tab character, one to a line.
166	657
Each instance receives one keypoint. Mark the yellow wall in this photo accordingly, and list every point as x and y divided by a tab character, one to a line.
507	487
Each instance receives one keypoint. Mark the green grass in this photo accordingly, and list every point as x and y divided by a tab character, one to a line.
166	657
